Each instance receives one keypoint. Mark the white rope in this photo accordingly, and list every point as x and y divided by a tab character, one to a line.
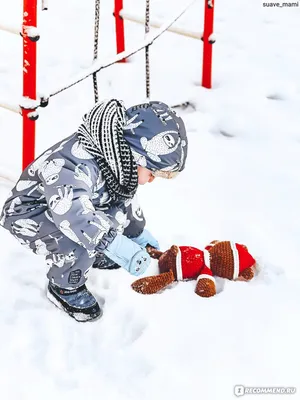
10	29
147	58
157	23
98	65
10	107
8	175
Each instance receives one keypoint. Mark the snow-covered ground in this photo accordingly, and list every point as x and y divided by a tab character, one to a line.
242	183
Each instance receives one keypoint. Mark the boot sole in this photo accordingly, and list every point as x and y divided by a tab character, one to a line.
77	315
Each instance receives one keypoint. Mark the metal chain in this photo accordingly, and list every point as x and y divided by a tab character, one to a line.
125	54
96	37
147	48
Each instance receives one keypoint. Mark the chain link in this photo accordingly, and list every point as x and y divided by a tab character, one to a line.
96	39
147	48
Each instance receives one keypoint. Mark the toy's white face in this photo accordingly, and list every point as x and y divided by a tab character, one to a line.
144	175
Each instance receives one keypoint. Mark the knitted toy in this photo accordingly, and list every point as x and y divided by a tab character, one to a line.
220	258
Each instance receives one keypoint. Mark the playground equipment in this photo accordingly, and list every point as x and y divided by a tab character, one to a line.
29	107
206	36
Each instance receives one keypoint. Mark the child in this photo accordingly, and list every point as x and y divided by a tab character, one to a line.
76	205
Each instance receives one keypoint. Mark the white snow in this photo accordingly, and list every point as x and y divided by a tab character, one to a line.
33	32
241	183
28	103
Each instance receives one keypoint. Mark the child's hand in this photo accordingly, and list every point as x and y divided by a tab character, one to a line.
146	238
128	255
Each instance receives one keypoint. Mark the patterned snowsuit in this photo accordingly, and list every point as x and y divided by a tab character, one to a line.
60	208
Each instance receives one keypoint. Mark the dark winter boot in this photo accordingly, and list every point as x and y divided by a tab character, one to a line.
103	262
79	303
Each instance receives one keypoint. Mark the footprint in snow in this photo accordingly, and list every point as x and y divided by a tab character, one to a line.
133	327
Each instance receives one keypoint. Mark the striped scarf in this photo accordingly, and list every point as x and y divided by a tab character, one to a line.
101	134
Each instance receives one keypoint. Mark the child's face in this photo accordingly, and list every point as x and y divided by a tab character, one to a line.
145	175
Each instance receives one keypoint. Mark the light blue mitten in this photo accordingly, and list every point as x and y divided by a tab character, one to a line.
129	255
146	238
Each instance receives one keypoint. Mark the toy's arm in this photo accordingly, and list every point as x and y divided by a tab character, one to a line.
206	284
153	253
247	274
156	283
153	284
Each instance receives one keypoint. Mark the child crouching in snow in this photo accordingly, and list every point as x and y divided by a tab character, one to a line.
76	205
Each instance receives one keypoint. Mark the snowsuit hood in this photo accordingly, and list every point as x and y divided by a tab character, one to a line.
157	137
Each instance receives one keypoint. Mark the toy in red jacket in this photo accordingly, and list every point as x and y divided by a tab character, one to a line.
220	258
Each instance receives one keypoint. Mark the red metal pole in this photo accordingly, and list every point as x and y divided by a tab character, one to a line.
119	28
207	43
29	79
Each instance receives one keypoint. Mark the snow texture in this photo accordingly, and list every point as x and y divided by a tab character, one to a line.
241	183
29	104
32	32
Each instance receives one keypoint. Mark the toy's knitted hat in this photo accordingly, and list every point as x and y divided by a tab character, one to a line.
229	260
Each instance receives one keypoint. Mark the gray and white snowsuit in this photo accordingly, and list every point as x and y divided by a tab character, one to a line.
60	209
